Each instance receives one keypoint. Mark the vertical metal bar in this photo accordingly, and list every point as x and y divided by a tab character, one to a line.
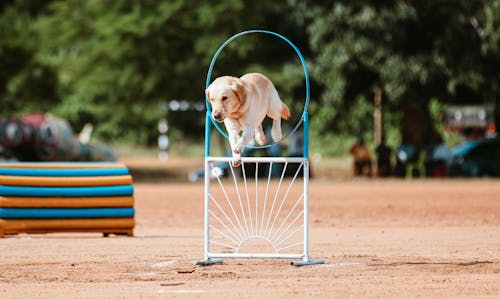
256	198
306	210
305	117
207	134
207	184
306	185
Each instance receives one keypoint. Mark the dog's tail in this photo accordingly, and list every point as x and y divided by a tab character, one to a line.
285	112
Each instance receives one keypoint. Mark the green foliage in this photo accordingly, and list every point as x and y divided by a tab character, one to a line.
25	81
414	51
490	31
112	62
117	60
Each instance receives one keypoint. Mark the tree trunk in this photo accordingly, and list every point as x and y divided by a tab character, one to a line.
377	115
416	125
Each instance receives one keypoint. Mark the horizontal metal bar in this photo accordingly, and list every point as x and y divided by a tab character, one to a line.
256	255
259	159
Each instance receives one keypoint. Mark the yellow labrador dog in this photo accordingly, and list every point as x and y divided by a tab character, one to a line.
242	103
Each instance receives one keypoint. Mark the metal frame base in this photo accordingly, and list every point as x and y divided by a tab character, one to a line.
307	263
208	262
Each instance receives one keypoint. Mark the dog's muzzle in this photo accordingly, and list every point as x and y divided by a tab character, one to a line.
218	116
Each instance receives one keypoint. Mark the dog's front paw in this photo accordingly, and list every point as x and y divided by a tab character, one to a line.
238	149
236	162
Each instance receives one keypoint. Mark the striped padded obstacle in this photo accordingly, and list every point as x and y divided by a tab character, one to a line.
66	197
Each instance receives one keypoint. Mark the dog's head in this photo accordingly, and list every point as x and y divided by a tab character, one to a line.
226	95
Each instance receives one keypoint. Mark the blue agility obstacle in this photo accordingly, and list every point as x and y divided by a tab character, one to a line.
62	213
267	217
46	197
122	190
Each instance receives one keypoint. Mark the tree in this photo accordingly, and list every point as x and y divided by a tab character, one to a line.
25	81
412	50
488	25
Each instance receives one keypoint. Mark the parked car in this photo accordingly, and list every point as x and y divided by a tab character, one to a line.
476	158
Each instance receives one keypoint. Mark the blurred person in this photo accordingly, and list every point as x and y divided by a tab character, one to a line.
362	158
383	151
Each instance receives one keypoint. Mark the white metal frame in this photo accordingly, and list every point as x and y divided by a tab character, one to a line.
241	230
240	237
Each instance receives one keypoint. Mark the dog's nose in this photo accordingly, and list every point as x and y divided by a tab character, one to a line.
217	116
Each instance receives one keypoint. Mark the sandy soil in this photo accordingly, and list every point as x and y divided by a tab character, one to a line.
379	239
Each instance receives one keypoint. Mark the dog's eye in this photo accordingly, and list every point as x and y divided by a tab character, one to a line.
224	98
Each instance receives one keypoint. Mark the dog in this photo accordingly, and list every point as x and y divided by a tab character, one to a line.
242	104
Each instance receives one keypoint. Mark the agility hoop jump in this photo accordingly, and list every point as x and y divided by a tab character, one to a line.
245	220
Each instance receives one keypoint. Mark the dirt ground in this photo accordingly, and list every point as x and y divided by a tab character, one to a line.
379	239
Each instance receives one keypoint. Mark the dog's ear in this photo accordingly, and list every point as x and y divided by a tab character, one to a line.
239	89
207	93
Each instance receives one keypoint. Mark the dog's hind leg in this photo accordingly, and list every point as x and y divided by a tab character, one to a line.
260	137
277	109
276	129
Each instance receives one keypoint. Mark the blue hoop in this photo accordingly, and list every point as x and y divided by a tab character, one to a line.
306	74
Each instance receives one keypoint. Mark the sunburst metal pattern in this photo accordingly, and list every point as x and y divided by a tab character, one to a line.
257	209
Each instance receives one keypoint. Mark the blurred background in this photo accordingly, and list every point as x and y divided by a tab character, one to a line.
123	78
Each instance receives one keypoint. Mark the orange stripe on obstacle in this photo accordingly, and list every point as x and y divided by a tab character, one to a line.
68	165
65	181
41	226
66	202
